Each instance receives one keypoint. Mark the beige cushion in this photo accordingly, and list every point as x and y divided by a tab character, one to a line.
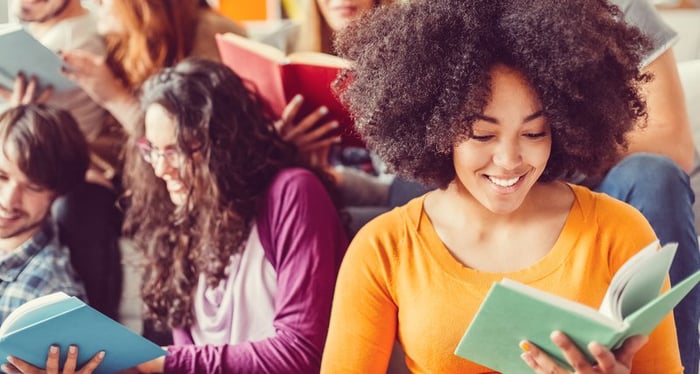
689	72
690	79
685	22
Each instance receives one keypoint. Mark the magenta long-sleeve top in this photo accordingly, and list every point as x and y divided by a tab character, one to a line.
287	289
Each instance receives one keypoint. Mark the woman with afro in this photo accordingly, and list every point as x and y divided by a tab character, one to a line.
495	103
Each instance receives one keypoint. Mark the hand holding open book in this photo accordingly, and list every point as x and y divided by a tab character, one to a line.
61	320
23	53
278	78
631	306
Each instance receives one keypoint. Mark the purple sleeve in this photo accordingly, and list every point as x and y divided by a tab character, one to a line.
304	241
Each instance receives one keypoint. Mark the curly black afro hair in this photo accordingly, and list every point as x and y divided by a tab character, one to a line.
422	75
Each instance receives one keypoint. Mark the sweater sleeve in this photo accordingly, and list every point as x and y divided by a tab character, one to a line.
304	241
364	320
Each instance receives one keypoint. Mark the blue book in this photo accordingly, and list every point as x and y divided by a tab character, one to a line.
59	319
22	52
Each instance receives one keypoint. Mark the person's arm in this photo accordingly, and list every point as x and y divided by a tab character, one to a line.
91	73
668	128
306	240
364	318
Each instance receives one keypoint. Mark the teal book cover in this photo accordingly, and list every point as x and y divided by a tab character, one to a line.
513	312
58	319
22	52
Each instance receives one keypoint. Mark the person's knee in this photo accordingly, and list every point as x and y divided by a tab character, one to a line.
650	173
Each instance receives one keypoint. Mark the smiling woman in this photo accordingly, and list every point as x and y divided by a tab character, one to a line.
470	97
509	147
222	206
160	150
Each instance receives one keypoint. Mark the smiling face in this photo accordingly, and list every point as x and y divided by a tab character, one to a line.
23	204
164	155
40	10
338	13
510	146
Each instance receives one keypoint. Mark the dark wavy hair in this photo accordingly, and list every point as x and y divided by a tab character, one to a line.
422	71
232	151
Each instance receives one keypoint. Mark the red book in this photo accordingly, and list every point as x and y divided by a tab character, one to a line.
278	78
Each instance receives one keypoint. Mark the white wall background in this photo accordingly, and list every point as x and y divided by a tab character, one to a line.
4	8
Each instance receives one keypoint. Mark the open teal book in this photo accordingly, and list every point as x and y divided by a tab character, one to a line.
59	319
513	312
21	52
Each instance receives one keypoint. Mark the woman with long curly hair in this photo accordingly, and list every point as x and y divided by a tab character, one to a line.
495	102
242	243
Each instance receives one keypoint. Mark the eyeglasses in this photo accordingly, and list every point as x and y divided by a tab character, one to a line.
151	154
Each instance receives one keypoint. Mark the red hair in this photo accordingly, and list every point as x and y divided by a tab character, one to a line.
155	34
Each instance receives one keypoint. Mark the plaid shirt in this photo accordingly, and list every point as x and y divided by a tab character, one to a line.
38	267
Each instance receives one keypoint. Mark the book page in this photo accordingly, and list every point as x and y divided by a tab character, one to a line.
256	47
27	309
644	320
320	59
277	55
610	304
638	281
647	281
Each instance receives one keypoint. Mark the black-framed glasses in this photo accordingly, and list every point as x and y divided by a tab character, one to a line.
151	154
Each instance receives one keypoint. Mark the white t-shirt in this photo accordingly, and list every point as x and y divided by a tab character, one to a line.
77	33
642	14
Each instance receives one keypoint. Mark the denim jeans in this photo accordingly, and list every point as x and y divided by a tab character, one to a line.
661	191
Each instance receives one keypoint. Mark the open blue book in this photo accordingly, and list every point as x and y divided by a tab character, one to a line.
22	52
632	306
59	319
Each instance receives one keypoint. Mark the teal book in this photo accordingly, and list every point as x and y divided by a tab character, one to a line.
22	52
512	312
59	319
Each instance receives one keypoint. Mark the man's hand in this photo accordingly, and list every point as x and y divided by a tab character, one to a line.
25	92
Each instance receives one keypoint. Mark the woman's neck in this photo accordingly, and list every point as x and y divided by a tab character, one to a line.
460	204
489	241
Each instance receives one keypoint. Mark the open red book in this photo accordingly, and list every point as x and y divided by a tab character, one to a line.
279	77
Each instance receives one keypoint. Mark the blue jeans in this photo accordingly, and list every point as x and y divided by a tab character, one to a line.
659	189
